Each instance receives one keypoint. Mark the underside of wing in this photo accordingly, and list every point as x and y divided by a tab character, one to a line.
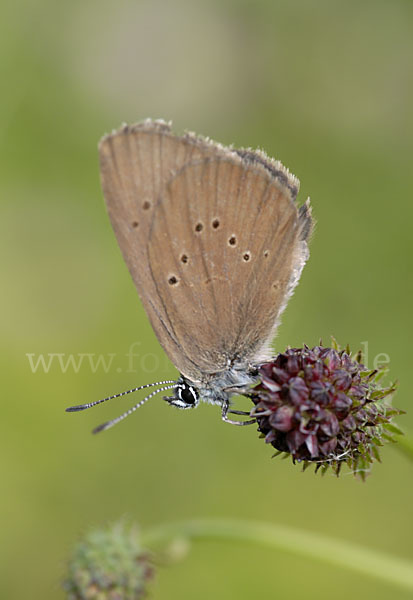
226	249
211	236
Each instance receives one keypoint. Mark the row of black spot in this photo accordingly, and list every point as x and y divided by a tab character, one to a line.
185	259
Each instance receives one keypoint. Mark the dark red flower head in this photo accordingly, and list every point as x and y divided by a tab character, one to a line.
322	406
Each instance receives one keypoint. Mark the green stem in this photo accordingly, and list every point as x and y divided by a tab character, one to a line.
396	571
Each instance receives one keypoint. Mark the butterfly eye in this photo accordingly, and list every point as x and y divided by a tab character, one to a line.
188	395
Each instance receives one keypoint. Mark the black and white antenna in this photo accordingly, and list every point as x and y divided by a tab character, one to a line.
166	385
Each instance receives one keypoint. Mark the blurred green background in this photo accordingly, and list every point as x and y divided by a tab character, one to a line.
326	87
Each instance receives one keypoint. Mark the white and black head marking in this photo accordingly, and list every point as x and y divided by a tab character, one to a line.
185	395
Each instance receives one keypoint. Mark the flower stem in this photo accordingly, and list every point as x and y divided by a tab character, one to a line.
393	570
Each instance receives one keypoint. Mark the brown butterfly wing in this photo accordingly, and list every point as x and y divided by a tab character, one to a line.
223	306
225	248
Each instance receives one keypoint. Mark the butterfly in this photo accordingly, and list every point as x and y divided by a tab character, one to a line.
215	245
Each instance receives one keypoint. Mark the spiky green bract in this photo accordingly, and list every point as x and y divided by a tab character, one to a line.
109	564
321	406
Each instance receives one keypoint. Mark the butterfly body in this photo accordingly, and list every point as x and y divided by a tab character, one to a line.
217	390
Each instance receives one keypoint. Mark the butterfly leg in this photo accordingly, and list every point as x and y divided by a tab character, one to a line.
226	410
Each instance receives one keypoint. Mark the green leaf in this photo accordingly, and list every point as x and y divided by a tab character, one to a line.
390	412
393	428
276	454
389	438
376	453
378	394
381	373
324	469
359	356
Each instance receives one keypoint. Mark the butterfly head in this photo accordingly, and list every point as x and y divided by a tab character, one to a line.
185	395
